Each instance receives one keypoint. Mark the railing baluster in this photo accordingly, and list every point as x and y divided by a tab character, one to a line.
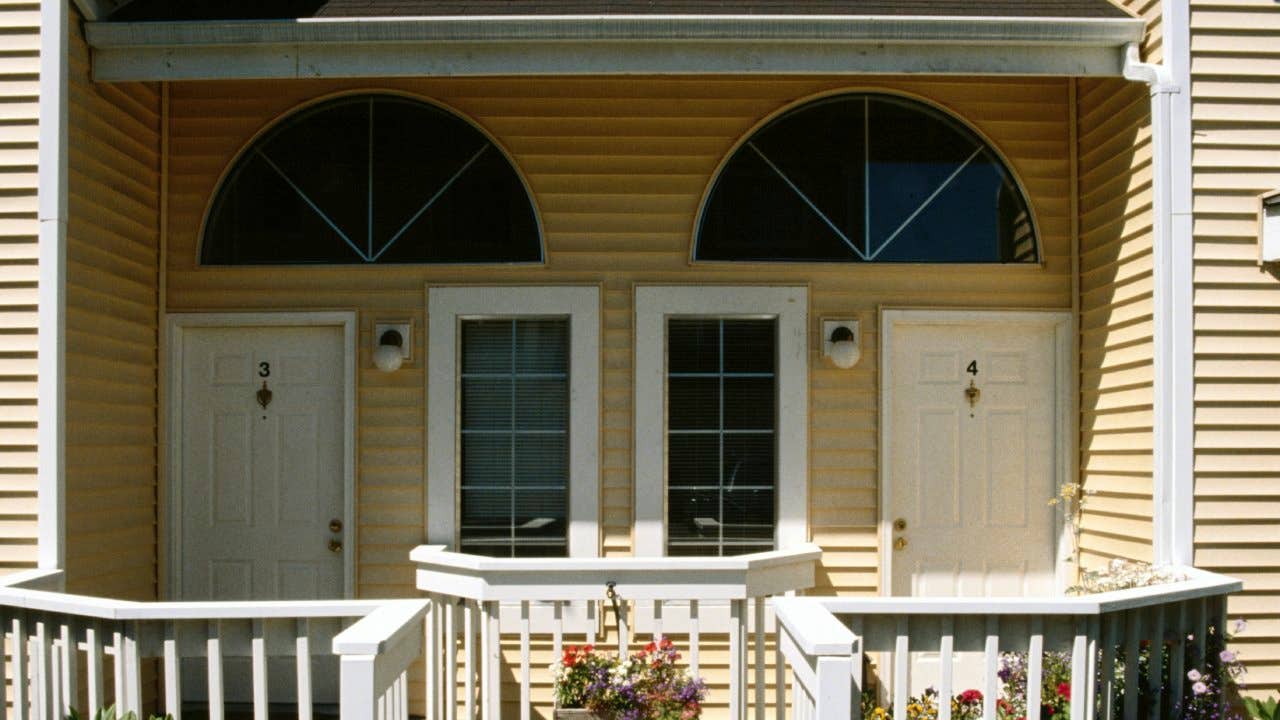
657	620
624	627
431	655
1091	668
695	638
70	662
991	658
759	656
946	665
132	669
172	671
258	650
1177	648
524	660
302	666
117	666
1199	628
213	653
41	693
491	642
1079	669
737	658
592	613
901	677
1155	644
404	696
4	652
1110	640
21	690
1132	636
855	671
451	662
557	631
93	667
1035	668
469	645
779	678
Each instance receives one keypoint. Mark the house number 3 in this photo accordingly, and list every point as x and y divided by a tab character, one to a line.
264	369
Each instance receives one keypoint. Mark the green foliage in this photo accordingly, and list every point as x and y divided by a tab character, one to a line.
1268	709
109	713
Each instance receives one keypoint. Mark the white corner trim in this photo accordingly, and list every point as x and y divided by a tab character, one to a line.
1173	362
52	293
653	305
445	307
175	324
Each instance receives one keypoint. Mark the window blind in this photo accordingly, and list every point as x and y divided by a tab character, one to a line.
514	437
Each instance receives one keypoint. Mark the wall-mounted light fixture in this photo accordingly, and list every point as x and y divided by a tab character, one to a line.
842	342
392	345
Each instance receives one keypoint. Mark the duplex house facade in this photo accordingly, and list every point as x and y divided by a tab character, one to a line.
850	287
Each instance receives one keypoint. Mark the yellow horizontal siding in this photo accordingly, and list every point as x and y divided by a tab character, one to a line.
1236	155
19	127
618	167
112	296
1115	319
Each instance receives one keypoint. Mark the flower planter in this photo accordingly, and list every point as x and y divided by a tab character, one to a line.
575	714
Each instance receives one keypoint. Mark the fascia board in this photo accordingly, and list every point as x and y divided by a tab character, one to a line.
452	46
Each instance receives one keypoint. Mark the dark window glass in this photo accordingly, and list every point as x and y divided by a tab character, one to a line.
371	179
866	178
515	437
721	435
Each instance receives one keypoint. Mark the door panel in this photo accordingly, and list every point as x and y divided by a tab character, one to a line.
259	486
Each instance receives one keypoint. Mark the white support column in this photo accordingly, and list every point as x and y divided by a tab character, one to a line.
52	293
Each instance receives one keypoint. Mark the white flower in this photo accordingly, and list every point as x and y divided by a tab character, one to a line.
1199	688
1194	675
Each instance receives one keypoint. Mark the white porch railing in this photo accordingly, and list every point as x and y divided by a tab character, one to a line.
824	641
55	639
558	599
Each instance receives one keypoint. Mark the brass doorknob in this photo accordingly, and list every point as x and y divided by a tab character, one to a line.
335	525
335	545
900	543
900	524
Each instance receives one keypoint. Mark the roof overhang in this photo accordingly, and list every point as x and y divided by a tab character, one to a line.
609	44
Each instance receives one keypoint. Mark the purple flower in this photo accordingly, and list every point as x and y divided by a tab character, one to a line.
1239	626
1227	656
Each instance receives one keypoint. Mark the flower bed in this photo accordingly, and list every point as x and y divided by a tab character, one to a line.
645	686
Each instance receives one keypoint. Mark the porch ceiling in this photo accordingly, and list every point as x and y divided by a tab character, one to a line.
388	38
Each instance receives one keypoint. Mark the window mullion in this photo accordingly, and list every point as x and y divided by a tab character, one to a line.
511	518
720	427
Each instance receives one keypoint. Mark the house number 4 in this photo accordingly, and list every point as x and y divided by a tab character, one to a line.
972	369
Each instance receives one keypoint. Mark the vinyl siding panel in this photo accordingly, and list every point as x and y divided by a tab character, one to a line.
618	167
112	306
19	256
1235	65
1116	390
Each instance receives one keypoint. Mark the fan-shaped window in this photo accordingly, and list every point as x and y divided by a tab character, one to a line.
866	178
372	179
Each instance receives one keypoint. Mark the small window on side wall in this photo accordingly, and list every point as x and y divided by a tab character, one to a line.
371	179
866	177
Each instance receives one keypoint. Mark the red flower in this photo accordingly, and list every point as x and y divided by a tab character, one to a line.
650	648
1064	689
971	696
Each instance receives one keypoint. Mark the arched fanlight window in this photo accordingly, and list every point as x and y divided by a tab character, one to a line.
866	178
371	179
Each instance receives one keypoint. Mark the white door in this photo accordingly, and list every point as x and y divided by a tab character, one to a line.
970	473
261	485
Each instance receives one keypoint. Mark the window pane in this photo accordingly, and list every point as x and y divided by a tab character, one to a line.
515	437
721	427
866	177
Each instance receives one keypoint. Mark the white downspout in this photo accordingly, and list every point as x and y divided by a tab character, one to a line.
1173	333
52	294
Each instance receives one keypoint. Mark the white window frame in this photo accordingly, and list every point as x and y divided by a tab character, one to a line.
447	307
789	306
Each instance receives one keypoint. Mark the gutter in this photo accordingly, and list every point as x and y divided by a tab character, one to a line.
1173	403
52	293
596	44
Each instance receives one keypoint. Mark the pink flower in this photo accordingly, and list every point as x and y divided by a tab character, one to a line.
1194	675
1239	626
1199	688
1227	656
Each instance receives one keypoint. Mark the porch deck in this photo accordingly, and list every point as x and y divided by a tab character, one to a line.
485	629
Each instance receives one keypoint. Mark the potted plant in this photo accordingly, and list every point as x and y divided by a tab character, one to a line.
645	686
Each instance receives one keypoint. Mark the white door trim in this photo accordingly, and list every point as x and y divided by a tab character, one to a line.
176	323
1064	442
